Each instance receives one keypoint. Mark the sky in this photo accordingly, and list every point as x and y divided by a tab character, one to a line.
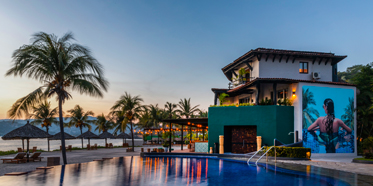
169	50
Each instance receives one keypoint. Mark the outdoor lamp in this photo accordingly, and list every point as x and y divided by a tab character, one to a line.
293	93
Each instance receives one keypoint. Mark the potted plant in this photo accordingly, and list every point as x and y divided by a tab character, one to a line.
165	145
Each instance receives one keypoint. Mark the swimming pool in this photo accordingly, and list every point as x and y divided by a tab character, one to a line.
166	171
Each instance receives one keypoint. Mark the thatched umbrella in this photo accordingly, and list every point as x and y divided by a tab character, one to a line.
58	136
88	135
105	135
26	132
124	136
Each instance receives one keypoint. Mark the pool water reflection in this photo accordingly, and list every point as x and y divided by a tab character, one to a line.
164	171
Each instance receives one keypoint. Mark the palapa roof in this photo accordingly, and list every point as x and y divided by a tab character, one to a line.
88	135
58	136
26	131
106	134
123	135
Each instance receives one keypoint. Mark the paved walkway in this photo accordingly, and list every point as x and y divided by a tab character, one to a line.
76	156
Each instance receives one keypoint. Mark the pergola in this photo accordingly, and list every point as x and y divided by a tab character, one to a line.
199	123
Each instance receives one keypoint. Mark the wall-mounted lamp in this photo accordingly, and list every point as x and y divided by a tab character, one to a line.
293	93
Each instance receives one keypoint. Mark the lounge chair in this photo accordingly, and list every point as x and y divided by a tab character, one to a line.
69	148
95	146
34	157
20	150
18	158
34	149
111	145
88	147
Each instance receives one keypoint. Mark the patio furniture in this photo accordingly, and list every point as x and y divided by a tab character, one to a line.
34	157
95	146
52	161
111	145
19	157
34	149
20	150
69	148
125	145
88	147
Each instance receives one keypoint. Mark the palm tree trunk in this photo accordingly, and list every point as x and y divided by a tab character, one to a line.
81	132
133	141
62	131
48	139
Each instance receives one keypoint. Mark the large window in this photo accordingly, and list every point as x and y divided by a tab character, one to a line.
303	67
245	100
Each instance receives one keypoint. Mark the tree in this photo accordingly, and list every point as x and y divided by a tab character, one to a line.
185	108
62	67
44	115
103	124
118	117
131	107
308	112
222	97
79	119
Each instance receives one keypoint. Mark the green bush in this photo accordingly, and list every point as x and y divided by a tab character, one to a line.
368	144
2	153
368	155
291	152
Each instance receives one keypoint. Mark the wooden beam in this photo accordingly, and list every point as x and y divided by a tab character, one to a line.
267	57
233	72
259	56
320	60
248	65
239	63
314	59
281	57
294	57
287	59
327	61
274	57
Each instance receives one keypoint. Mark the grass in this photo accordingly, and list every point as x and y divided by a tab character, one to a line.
363	159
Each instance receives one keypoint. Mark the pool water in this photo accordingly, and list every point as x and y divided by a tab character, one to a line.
166	171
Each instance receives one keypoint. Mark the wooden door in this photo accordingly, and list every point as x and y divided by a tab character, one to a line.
243	139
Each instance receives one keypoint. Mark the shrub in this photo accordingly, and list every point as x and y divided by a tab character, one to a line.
2	153
368	144
368	155
291	152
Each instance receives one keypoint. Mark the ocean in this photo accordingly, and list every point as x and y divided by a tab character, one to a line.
6	145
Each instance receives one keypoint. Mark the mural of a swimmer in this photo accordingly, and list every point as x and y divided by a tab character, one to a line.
328	127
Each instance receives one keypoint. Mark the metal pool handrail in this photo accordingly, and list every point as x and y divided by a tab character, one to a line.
256	163
248	161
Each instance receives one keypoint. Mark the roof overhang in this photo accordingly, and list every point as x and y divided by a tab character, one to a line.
285	55
192	122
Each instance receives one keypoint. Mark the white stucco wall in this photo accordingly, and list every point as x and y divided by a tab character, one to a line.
269	69
297	103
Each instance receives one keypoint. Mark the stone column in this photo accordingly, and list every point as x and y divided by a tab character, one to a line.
221	144
258	143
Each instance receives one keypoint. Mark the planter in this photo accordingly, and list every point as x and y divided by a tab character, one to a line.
166	149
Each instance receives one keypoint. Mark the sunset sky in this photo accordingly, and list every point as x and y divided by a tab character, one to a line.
167	50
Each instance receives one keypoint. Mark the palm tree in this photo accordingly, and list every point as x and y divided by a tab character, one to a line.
308	112
43	114
79	119
186	109
202	114
103	124
131	107
118	117
62	67
349	116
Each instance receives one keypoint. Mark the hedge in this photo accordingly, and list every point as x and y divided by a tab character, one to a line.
291	152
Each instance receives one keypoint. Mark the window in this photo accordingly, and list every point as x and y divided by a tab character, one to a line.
303	67
281	94
245	100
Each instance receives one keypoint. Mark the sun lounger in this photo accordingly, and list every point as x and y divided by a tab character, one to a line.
34	157
88	147
17	159
95	146
34	149
20	150
111	145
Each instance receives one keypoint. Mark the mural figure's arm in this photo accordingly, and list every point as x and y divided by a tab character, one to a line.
313	126
344	126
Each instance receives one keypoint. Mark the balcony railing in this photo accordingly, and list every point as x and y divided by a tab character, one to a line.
240	81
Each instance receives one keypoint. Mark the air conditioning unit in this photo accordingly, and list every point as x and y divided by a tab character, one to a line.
316	75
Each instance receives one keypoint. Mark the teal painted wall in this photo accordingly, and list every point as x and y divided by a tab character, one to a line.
272	122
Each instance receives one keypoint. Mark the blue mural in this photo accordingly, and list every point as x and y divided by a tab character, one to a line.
328	119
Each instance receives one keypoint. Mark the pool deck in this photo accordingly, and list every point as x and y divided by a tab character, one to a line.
325	165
